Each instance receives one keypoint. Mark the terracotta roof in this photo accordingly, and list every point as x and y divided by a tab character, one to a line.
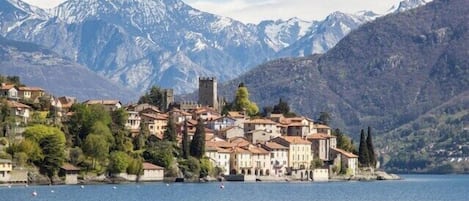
236	114
221	144
221	117
5	160
14	104
103	102
6	86
274	145
239	141
30	89
258	150
322	126
319	136
150	166
345	153
295	140
155	116
260	121
70	167
240	150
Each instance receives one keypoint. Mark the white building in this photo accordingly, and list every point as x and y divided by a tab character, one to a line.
278	158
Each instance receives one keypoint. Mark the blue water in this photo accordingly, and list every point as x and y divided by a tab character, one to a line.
412	188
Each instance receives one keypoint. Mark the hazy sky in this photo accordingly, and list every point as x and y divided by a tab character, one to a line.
256	10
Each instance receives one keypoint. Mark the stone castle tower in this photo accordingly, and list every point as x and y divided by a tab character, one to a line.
208	92
168	99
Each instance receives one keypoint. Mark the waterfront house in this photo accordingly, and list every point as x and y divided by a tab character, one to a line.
321	144
299	151
5	170
345	159
240	161
278	157
219	157
152	172
70	172
260	160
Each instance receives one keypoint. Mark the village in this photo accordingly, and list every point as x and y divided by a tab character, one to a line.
271	148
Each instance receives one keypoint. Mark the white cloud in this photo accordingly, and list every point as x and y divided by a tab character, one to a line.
256	10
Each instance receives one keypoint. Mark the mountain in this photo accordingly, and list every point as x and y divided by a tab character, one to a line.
140	43
326	34
386	74
38	66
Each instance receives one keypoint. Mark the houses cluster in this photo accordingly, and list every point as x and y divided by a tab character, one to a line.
258	148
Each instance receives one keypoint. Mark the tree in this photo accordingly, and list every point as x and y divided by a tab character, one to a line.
53	149
119	161
363	150
281	107
185	141
371	149
153	97
343	141
76	156
242	102
206	167
170	133
197	147
96	147
83	119
324	118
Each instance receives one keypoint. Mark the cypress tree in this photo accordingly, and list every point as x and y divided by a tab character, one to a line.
185	142
197	147
371	149
170	132
363	150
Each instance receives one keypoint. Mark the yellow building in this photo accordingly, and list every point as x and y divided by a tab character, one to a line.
299	151
240	161
5	170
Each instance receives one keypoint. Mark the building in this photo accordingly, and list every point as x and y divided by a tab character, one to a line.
208	95
20	111
219	157
168	99
152	172
70	172
9	91
260	136
260	160
299	151
220	123
321	144
156	123
240	161
5	170
262	124
133	121
278	158
109	105
348	161
30	93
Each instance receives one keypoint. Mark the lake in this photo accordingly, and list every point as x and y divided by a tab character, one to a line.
411	188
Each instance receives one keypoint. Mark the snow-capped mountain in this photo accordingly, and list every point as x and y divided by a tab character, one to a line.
140	43
280	34
326	34
407	5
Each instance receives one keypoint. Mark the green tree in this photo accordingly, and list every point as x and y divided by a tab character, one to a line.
170	133
161	156
96	147
153	97
282	107
135	166
76	155
119	161
242	101
363	151
343	141
197	146
53	149
83	119
206	168
371	149
185	142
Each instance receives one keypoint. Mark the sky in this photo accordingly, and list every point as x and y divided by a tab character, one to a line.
254	11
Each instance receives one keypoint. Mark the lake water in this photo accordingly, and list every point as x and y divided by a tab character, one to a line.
412	188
